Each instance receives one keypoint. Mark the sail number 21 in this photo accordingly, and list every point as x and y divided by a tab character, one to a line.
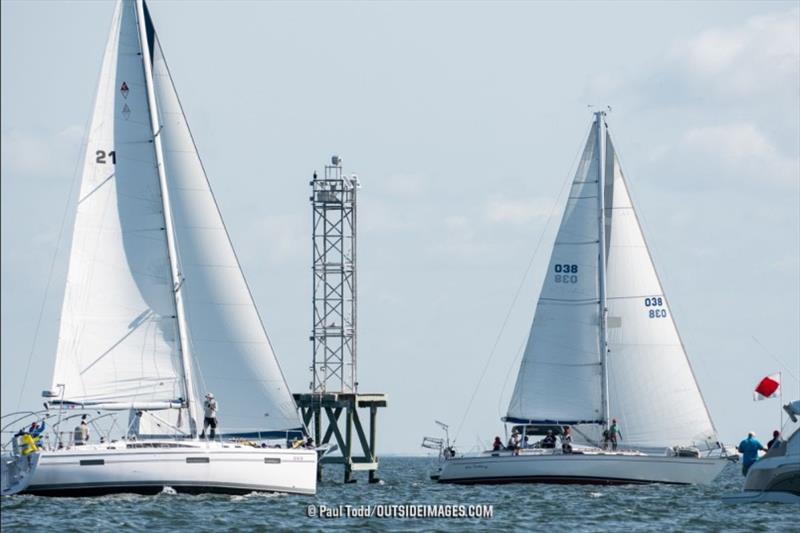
657	302
101	157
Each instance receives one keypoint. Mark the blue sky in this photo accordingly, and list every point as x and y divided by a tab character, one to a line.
462	121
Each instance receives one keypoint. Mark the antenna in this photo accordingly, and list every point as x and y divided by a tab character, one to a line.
592	107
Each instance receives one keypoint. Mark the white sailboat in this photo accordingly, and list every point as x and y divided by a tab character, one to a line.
157	311
603	346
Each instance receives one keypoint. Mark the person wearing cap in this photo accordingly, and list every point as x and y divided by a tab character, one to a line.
749	449
210	418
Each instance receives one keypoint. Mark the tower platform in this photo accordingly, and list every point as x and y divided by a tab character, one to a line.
323	411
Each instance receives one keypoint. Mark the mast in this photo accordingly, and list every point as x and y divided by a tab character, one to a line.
177	280
601	260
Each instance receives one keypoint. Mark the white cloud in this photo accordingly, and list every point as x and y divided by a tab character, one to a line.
743	149
603	84
501	209
757	58
761	55
41	155
402	185
456	222
287	236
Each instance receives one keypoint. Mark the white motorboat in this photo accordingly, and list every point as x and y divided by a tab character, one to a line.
603	345
157	311
775	477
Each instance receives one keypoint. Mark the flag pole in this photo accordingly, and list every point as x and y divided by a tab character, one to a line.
780	398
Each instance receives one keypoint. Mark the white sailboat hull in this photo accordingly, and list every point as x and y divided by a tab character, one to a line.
146	467
588	468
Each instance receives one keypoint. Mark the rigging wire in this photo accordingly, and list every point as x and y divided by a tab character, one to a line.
783	365
518	291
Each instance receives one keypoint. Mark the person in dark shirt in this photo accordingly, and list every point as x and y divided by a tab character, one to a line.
776	439
497	445
549	440
614	434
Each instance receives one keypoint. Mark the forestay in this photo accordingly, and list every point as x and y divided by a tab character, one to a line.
559	377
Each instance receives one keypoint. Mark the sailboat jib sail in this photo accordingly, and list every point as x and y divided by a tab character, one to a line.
118	335
120	341
560	375
653	392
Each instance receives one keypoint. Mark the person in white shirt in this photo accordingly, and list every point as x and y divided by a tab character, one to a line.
566	440
210	418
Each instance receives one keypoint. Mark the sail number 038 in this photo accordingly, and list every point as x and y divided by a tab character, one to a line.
566	273
657	302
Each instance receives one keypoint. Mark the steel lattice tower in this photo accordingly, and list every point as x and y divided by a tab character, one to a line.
333	203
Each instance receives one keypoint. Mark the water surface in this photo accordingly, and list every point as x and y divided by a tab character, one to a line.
405	481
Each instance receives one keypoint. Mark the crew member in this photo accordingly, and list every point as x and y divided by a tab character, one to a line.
749	449
776	439
566	440
210	418
614	434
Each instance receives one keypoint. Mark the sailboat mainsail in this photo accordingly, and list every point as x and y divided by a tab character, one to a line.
559	377
651	390
121	337
228	341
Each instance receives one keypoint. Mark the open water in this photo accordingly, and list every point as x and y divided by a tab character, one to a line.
405	481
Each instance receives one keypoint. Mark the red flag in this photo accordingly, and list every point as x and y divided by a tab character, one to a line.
768	387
